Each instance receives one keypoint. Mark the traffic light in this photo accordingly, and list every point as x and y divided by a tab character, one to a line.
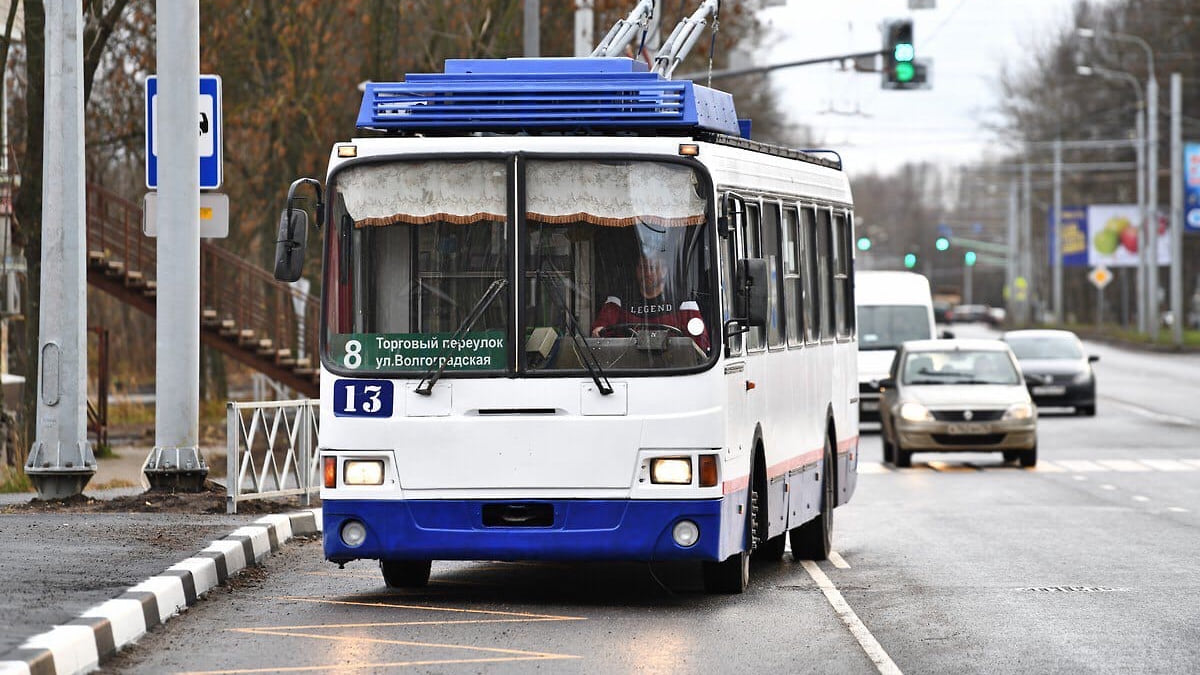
969	258
864	244
901	70
910	260
942	243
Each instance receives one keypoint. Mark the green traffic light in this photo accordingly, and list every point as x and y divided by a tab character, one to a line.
969	258
942	243
903	51
910	260
905	71
864	244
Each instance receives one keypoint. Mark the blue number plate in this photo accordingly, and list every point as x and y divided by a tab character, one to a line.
362	398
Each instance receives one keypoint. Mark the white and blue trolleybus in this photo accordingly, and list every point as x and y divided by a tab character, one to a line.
571	312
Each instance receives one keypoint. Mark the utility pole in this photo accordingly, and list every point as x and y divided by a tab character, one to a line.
1056	240
1177	209
532	32
61	461
175	461
1152	198
1010	269
1025	280
585	27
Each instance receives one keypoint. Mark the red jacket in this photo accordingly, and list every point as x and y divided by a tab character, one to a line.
686	317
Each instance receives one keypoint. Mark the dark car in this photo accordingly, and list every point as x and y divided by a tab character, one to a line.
969	313
1057	371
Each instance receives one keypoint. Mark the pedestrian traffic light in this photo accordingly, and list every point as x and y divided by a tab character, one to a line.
864	244
969	258
942	243
910	260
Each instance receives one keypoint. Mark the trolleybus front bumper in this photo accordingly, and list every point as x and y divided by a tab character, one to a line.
564	529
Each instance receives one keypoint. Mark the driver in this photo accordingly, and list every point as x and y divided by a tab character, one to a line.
655	306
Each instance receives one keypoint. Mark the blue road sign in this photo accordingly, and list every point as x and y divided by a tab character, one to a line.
1191	195
208	126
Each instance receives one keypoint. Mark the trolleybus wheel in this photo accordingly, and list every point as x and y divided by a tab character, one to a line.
814	540
405	573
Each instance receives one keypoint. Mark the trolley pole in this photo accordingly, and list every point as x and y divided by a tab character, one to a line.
175	462
61	461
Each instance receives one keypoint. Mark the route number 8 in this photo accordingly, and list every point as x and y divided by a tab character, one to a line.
353	354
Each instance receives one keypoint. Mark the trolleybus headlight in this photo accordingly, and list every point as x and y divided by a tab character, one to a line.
671	470
353	533
685	533
363	472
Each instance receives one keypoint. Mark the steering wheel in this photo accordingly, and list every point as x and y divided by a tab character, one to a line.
632	329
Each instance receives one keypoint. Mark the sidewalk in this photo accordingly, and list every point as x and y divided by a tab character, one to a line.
57	562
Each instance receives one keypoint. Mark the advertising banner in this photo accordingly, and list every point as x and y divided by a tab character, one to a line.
1191	187
1074	236
1112	233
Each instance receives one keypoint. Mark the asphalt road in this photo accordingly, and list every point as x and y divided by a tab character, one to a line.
960	564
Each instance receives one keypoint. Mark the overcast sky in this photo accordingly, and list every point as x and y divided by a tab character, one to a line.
969	41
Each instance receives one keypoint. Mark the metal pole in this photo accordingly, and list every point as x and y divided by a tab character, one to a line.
968	284
1026	245
1141	197
532	32
175	461
1152	199
61	461
1010	269
585	26
1177	210
1056	240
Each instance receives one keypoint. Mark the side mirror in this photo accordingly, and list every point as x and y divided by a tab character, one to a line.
947	335
289	245
887	383
1092	358
752	290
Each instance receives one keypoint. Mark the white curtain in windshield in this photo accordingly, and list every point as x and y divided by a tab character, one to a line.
424	192
617	196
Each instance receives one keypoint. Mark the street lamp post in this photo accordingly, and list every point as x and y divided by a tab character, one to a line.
1140	131
1150	221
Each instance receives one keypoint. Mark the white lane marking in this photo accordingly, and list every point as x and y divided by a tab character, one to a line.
1080	465
1078	477
1157	416
870	645
1122	465
1107	486
1140	498
1048	467
872	467
1167	465
1177	509
1191	462
838	561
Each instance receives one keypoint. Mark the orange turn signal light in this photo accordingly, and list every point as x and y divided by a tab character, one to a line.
708	470
689	149
331	472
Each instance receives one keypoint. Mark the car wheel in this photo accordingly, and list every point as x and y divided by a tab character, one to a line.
889	452
1086	410
405	573
903	457
1011	455
1029	458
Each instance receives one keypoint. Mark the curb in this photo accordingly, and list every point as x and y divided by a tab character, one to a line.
82	644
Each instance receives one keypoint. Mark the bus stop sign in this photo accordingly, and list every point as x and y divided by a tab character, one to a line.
208	126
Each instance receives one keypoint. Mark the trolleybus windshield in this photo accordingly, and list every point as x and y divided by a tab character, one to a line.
614	266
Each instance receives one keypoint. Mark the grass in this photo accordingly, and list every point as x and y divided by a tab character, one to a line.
14	480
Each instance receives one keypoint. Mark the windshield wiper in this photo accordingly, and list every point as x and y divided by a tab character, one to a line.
586	357
439	363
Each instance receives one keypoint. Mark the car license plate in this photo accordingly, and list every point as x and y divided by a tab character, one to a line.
1049	391
967	428
870	405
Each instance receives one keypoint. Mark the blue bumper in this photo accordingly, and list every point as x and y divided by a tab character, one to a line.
582	529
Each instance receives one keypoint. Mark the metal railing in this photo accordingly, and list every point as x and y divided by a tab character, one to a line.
272	451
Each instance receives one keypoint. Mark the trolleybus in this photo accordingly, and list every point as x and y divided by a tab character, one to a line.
571	312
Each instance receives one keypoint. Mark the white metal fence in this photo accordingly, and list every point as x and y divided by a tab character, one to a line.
272	450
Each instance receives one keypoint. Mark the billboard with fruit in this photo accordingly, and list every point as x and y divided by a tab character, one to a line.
1113	235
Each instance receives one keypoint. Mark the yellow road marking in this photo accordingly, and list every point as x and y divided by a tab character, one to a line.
431	608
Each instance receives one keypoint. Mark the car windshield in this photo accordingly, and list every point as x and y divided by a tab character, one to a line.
1046	347
958	367
886	326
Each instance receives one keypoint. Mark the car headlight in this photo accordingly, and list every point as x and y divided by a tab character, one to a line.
363	472
915	412
1082	377
1019	411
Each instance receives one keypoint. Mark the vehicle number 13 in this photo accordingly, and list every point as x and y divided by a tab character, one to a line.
363	398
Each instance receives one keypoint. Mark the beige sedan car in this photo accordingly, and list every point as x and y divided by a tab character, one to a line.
954	396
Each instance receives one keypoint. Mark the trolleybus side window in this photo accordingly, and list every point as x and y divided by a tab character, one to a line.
850	300
752	248
771	251
825	273
793	289
808	260
731	250
841	275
